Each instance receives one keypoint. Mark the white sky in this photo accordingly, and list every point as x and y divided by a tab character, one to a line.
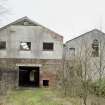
69	18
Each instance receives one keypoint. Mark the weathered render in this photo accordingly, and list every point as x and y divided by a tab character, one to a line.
12	58
86	45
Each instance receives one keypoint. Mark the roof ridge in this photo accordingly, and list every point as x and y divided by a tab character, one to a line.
95	29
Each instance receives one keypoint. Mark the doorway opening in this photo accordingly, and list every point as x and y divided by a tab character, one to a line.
28	76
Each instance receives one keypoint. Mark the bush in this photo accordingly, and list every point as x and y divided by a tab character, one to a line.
98	87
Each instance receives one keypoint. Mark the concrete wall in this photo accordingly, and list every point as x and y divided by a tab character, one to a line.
14	34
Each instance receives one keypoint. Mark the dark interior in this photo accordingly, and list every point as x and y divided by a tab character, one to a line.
45	83
28	76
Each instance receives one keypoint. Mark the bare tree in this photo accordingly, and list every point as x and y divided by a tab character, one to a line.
100	65
85	70
75	74
3	12
4	9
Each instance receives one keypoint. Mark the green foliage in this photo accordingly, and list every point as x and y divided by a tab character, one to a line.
98	87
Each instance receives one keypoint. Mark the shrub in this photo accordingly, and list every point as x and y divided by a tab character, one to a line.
98	87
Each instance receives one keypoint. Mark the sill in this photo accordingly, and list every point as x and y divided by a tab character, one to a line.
47	50
26	50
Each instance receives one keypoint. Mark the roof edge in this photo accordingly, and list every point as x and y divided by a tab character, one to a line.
25	17
95	29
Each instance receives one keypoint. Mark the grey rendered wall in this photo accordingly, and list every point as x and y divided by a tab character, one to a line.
83	42
34	34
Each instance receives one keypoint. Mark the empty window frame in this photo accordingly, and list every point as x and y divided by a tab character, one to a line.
95	48
25	46
72	52
46	83
2	45
26	23
48	46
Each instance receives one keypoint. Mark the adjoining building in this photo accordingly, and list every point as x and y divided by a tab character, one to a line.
30	54
90	49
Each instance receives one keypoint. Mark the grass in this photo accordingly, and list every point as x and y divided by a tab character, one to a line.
32	97
43	96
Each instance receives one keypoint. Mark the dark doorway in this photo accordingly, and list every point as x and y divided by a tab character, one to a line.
28	76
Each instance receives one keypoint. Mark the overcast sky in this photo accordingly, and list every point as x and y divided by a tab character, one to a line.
69	18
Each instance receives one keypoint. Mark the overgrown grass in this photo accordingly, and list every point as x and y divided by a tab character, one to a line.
44	96
31	97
